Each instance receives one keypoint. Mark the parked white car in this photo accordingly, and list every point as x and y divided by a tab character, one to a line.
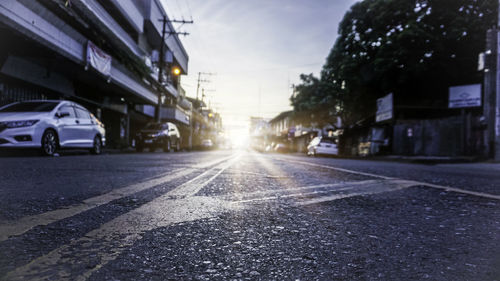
207	144
322	146
50	125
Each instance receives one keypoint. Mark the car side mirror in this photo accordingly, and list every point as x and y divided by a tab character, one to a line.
62	114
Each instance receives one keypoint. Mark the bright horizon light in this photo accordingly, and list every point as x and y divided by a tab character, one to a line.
257	49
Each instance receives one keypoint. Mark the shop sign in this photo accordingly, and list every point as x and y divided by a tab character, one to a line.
465	96
384	108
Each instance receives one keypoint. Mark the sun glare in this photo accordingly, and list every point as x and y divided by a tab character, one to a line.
239	138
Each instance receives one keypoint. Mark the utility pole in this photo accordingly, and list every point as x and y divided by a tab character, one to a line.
201	80
497	105
161	65
160	72
489	91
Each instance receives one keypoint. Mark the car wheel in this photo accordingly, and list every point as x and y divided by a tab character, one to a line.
97	146
167	147
178	145
49	143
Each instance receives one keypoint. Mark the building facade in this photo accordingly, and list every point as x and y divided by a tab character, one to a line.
103	54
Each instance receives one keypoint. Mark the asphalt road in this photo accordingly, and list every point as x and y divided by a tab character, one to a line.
240	215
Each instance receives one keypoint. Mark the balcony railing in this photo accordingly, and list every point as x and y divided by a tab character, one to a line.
175	114
95	11
131	13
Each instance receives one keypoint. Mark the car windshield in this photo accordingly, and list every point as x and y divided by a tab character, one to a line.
30	107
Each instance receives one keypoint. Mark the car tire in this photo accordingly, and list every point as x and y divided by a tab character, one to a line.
167	146
178	145
50	142
96	146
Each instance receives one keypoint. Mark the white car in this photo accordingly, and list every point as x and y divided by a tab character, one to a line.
322	145
50	125
207	144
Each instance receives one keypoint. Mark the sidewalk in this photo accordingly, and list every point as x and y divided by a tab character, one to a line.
429	159
412	159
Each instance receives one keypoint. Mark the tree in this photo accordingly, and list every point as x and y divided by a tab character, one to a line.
414	49
312	103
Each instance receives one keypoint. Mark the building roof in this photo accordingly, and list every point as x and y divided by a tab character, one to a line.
281	116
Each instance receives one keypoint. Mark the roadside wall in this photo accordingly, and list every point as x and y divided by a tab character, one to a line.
452	136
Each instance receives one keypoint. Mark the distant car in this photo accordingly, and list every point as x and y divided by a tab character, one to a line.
207	144
281	148
50	125
322	146
159	135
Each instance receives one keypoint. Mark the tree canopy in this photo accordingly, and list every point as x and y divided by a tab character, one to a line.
414	49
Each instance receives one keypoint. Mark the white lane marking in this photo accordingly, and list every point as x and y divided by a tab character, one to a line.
359	188
24	224
459	190
335	168
215	162
257	174
187	190
383	186
290	195
112	238
448	188
108	241
274	194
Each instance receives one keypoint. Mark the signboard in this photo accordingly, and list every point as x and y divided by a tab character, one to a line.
98	59
384	108
465	96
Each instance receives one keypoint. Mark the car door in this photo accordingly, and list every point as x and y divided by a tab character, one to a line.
328	146
67	126
85	127
173	133
325	146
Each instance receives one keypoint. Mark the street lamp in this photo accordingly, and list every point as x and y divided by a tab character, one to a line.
176	71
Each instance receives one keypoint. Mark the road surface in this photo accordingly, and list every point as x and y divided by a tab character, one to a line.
242	215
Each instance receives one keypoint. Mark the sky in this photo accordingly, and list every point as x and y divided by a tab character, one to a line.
257	49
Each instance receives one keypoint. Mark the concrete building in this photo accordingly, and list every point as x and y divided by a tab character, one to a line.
103	54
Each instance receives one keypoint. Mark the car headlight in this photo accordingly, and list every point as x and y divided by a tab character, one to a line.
155	135
19	124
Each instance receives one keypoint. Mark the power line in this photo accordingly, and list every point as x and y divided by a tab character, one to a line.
201	80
